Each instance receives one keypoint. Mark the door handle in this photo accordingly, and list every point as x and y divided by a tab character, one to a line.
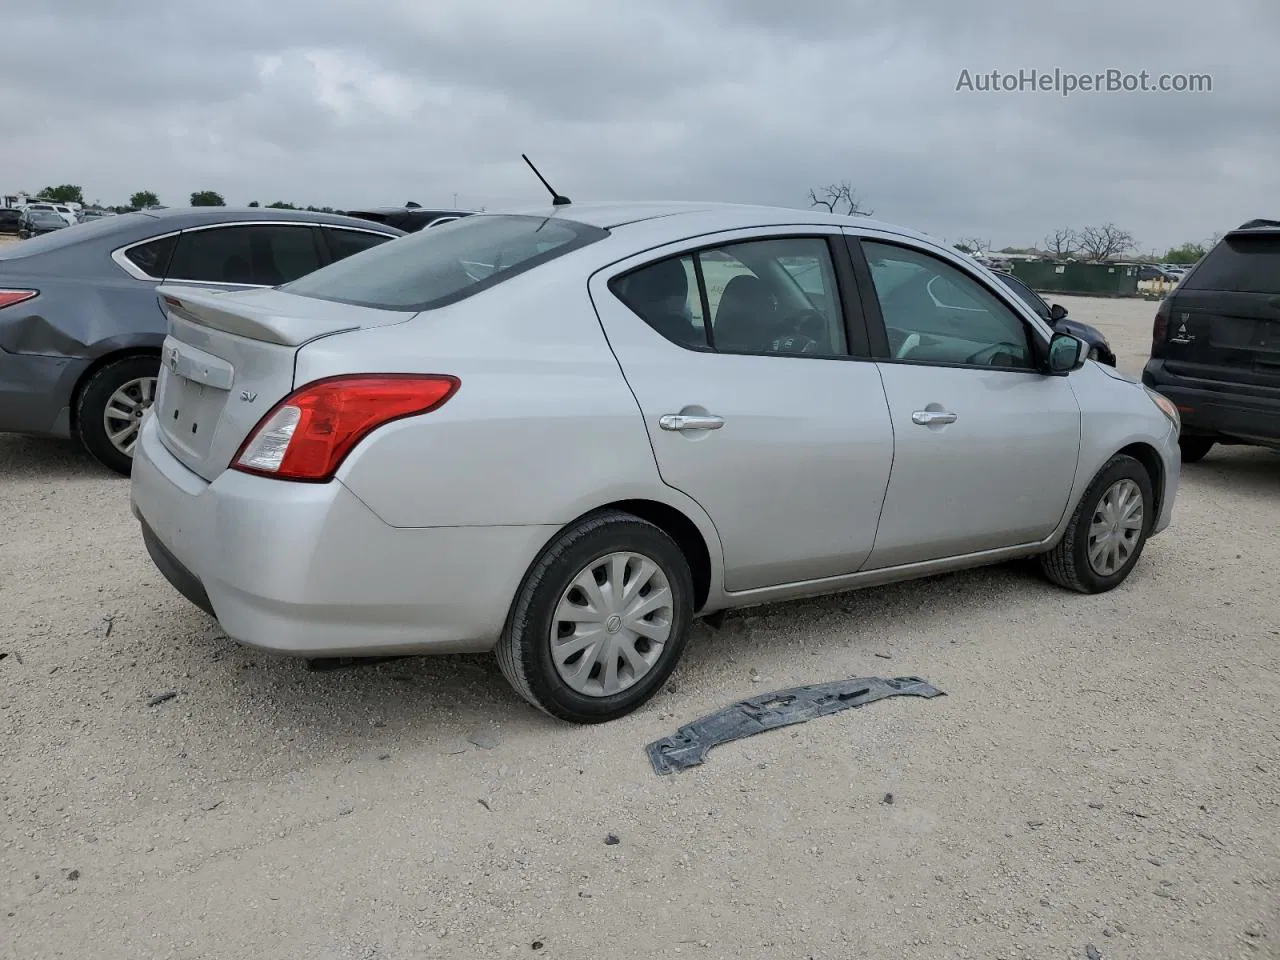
685	421
927	418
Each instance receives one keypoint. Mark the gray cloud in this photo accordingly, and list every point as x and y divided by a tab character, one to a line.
335	102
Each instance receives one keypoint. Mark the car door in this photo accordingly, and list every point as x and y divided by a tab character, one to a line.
758	396
986	444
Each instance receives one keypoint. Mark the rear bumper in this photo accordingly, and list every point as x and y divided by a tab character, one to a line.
309	570
35	393
1214	408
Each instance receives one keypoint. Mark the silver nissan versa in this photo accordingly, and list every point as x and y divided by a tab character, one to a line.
562	434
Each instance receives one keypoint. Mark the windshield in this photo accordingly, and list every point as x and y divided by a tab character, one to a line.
1243	264
446	263
81	231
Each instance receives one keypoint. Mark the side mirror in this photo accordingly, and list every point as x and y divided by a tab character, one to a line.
1057	312
1066	353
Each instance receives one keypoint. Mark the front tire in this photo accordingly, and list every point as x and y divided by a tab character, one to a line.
110	410
600	620
1107	532
1194	449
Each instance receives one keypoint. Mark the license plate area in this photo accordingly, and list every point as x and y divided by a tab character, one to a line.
191	394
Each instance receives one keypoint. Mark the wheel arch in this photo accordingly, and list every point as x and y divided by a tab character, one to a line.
106	359
1146	455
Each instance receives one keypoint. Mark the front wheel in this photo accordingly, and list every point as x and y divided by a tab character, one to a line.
112	404
1107	532
600	620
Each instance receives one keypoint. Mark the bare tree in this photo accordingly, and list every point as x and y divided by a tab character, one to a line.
1062	243
972	245
1102	243
835	196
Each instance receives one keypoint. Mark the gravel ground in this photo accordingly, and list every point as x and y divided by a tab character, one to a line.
1103	771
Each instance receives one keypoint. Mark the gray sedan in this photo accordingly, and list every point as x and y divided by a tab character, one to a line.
80	324
563	434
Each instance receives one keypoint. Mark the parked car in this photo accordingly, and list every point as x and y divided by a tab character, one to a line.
33	223
1147	271
1056	317
80	326
1215	344
563	434
10	220
410	219
61	209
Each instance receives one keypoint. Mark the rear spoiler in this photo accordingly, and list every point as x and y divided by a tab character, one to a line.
221	310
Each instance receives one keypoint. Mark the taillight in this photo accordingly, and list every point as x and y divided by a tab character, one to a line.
9	297
308	434
1160	329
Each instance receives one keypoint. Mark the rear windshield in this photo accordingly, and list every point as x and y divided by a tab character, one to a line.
446	263
1240	264
73	234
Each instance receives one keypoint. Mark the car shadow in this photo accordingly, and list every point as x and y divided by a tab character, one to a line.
38	458
441	702
1237	470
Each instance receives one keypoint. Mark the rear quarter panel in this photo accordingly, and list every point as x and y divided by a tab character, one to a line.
542	430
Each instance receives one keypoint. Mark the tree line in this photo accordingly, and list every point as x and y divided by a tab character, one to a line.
144	199
1097	243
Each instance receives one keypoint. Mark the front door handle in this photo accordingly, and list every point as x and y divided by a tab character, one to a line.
685	421
927	418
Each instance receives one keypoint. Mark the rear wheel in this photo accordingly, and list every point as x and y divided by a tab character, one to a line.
110	410
1194	449
600	620
1107	532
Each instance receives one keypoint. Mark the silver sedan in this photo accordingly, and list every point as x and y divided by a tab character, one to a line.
564	434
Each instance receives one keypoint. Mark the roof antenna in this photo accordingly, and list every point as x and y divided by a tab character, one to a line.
557	200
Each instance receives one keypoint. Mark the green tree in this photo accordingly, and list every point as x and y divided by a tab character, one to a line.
1187	253
281	205
207	198
143	199
254	203
67	193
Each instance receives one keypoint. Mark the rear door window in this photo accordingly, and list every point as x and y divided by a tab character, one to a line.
153	258
343	243
442	265
249	255
1244	264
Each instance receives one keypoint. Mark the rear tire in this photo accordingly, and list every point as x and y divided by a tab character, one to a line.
110	408
1080	560
1194	449
634	574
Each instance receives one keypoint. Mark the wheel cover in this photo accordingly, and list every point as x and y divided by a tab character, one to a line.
125	408
1116	527
612	624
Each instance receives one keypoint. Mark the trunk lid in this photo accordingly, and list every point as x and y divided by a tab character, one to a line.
230	357
1224	318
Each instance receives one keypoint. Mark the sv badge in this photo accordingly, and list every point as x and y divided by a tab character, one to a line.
248	396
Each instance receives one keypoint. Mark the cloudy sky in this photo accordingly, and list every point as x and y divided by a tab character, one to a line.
345	103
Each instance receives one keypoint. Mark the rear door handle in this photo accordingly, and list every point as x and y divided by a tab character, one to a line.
927	418
684	421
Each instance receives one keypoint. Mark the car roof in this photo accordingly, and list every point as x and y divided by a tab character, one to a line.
176	218
692	218
1256	227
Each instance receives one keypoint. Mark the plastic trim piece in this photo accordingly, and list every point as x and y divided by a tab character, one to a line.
688	746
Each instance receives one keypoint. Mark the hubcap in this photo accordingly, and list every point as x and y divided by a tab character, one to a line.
611	624
125	409
1116	527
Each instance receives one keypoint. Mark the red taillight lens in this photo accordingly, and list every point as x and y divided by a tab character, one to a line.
308	434
1160	329
9	297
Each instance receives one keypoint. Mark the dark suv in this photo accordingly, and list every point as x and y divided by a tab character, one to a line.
410	219
1215	346
10	220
